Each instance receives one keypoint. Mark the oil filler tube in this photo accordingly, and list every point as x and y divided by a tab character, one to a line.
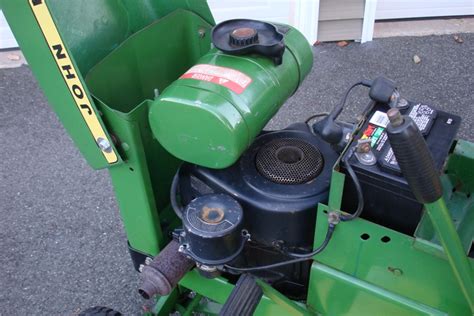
418	168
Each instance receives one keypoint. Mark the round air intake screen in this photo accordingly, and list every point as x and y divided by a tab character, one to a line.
289	161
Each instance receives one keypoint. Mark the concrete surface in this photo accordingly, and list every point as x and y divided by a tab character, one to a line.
423	27
11	59
61	239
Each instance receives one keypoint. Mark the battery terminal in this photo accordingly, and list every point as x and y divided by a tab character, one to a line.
364	152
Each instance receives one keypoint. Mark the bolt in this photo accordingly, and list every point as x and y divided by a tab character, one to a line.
202	32
395	117
140	268
364	145
148	260
333	218
395	271
402	103
104	145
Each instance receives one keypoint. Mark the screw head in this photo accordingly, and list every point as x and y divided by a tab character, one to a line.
104	145
202	32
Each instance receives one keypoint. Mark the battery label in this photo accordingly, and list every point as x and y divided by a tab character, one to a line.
379	118
375	133
423	116
227	77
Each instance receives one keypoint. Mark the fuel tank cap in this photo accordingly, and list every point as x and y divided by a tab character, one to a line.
244	36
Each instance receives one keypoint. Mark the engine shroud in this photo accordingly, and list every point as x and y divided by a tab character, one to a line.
278	181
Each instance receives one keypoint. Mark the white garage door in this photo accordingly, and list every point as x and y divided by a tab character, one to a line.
7	40
399	9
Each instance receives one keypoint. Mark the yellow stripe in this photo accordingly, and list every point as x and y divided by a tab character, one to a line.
52	37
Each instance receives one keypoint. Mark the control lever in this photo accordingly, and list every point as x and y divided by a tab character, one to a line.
418	168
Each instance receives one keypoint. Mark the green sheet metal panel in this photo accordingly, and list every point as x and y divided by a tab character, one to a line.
45	58
383	258
88	31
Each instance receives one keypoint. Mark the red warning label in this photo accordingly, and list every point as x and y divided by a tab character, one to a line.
227	77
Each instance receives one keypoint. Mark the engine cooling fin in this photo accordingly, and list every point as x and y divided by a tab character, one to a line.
289	161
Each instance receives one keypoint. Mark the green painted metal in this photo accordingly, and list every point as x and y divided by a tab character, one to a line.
460	206
142	63
287	306
218	290
446	231
357	297
386	259
40	59
211	125
112	22
139	66
459	168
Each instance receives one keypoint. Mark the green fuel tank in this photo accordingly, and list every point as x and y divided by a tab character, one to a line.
214	111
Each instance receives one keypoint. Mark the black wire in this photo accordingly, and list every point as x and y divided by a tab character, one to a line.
175	205
355	180
315	116
338	109
304	257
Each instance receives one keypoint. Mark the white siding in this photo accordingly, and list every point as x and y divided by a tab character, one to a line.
302	14
399	9
7	40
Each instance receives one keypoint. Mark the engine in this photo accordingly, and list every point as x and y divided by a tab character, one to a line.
278	182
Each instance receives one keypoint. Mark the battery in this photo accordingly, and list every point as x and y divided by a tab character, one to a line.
388	199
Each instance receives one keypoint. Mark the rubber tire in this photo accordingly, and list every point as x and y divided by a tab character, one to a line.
100	311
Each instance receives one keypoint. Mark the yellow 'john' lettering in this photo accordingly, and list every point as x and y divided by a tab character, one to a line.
59	51
67	70
70	75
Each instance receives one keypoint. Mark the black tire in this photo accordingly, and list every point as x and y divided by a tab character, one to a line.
100	311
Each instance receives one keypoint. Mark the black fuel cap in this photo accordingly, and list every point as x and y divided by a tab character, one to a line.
243	36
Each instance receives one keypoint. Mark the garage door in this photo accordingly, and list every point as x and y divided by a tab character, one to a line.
400	9
7	40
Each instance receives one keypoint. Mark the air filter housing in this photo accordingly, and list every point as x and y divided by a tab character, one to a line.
289	161
213	233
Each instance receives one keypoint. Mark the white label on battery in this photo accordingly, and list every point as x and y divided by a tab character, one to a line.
379	118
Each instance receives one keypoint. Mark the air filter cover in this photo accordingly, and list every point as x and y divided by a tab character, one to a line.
289	161
213	229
